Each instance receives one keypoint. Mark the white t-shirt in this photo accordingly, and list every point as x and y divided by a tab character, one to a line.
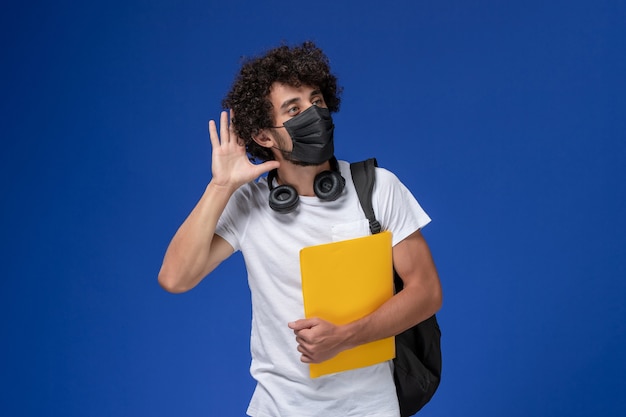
270	243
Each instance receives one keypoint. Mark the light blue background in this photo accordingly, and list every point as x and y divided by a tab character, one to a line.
505	118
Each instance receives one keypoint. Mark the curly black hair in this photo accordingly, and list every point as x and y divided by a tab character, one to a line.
305	64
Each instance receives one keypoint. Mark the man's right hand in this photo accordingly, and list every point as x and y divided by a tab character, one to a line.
231	167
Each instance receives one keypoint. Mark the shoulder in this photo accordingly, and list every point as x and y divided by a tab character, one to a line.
252	188
382	174
386	177
250	195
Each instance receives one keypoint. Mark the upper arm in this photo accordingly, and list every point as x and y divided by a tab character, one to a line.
220	251
414	263
181	271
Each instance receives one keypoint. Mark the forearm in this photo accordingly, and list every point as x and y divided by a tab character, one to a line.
407	308
190	255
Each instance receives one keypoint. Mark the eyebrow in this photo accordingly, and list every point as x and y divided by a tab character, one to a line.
289	102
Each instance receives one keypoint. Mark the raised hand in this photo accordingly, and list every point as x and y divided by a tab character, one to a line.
230	165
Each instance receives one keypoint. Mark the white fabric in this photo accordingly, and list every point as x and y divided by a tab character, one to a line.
270	243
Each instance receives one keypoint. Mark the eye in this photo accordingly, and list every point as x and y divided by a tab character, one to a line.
318	101
293	110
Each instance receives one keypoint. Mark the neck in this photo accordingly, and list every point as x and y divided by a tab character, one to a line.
300	177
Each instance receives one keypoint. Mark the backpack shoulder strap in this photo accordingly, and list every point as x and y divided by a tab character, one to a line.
364	177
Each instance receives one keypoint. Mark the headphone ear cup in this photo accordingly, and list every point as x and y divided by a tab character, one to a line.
283	199
328	185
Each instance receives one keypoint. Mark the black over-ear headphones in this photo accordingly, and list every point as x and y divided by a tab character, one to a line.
327	186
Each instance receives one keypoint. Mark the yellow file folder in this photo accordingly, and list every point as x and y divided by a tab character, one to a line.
343	282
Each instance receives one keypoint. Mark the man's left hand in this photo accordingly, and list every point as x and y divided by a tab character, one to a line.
318	340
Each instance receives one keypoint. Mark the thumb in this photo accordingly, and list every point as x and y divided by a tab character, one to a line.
302	324
266	166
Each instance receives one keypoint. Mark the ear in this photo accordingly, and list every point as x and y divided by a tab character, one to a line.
264	138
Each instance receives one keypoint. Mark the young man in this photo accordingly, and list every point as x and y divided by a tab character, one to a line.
281	105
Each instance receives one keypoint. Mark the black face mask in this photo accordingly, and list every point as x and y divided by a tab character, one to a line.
311	133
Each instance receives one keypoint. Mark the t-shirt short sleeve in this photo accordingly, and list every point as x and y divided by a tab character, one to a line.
396	208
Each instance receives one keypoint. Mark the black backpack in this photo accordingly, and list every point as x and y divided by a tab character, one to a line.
417	366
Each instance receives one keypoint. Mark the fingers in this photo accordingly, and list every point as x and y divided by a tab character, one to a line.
227	131
305	355
301	330
308	353
215	140
225	127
